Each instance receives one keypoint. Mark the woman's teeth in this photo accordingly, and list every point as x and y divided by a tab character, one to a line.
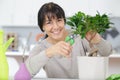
56	32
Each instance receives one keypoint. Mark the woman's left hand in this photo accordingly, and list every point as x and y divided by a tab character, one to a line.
93	37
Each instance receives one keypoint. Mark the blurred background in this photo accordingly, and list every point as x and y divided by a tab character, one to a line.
18	18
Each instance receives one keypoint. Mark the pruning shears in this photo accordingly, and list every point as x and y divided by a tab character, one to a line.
71	38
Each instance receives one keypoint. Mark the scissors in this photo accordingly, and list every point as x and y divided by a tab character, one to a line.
71	38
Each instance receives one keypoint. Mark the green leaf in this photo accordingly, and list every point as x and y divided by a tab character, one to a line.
83	23
114	77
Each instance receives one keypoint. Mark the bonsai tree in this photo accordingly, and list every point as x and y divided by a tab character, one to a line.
83	24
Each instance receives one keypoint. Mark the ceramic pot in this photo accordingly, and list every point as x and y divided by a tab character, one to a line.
92	68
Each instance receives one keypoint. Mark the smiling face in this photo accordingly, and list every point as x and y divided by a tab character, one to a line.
51	19
54	28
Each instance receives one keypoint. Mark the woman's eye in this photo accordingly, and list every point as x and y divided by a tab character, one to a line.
48	22
59	19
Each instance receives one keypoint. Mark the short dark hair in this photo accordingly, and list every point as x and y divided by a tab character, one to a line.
51	10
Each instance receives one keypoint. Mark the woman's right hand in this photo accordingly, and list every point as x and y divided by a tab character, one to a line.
61	48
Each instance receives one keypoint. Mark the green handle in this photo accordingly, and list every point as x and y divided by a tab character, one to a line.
70	40
67	38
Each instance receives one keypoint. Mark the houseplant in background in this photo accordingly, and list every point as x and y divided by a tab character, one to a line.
81	24
4	69
114	77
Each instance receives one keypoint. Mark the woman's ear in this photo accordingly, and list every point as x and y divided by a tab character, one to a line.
44	29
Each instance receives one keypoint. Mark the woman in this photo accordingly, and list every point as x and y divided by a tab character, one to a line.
57	57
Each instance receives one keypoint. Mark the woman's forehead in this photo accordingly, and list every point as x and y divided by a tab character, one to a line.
51	16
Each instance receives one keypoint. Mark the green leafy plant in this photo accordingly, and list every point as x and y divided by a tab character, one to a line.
114	77
82	23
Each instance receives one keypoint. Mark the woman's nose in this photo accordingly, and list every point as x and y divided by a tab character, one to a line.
56	25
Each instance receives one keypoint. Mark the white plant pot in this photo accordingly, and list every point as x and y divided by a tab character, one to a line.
92	68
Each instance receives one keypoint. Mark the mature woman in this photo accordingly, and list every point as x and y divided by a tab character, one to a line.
57	57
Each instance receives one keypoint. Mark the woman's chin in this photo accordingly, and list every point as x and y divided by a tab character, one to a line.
57	37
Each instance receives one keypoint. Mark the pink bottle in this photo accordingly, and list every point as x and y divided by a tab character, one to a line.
22	73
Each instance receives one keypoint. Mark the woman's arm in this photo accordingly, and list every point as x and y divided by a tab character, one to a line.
103	46
40	55
36	60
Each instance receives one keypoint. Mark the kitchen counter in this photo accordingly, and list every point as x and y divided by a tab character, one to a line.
12	78
114	55
52	79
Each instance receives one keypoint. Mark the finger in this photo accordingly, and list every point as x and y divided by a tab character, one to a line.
67	44
67	48
90	35
65	53
96	39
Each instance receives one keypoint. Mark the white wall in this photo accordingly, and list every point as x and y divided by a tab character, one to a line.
24	12
88	6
